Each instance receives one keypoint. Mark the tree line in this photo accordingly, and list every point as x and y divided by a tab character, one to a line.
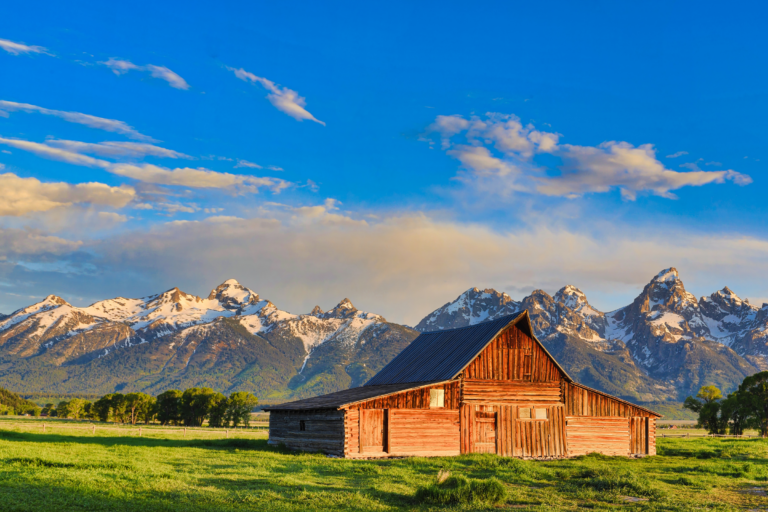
173	407
747	407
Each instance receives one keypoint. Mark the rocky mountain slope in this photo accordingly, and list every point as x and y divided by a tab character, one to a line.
664	345
233	339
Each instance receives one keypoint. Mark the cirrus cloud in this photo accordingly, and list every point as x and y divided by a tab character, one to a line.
100	123
120	67
283	99
15	48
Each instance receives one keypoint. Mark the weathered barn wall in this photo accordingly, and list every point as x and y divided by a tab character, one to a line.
582	401
397	432
606	435
323	430
514	355
510	392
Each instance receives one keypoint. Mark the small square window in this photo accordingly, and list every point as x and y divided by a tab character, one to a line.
525	414
302	426
436	398
541	414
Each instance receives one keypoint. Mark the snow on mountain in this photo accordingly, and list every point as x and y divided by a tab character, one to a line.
471	307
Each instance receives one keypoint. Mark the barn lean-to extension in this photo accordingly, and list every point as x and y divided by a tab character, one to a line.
487	388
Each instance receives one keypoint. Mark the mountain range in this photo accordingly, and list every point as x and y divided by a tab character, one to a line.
663	346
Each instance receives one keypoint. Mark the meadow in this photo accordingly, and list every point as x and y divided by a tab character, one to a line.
75	470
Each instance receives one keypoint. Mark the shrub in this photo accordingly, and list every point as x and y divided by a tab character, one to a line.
459	489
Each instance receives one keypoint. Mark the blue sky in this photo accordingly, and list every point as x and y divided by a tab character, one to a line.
393	153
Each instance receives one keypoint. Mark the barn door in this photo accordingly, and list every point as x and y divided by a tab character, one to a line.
638	436
485	432
373	430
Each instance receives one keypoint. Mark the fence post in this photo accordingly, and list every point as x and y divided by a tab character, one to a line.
227	432
139	431
94	430
43	428
185	431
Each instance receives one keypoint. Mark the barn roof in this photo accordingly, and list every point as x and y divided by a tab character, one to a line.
348	397
442	355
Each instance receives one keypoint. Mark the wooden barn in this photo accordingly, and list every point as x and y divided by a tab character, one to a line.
487	388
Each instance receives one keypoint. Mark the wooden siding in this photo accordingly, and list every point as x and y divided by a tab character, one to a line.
606	435
651	436
513	355
414	399
351	432
323	430
586	402
510	392
435	431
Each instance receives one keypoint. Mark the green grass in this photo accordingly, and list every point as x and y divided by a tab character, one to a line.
76	471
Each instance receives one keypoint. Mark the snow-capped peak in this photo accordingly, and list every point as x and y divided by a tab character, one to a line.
667	275
233	295
346	304
571	297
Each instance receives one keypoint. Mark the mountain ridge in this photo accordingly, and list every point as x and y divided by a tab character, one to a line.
662	346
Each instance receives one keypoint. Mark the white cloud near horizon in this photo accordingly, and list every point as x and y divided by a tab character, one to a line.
148	173
100	123
404	266
678	154
583	169
120	67
283	99
21	196
15	48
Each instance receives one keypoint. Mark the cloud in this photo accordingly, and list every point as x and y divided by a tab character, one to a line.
196	178
583	169
714	163
631	169
678	154
21	196
26	244
246	163
404	266
100	123
186	177
283	99
116	149
120	67
18	48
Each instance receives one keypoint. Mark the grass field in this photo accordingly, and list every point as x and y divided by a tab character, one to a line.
162	471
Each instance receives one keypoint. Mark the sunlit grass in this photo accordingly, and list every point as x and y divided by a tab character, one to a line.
75	470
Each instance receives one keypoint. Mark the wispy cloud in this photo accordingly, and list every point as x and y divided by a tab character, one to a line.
120	67
678	154
116	149
246	163
21	196
15	48
284	99
100	123
186	177
584	169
